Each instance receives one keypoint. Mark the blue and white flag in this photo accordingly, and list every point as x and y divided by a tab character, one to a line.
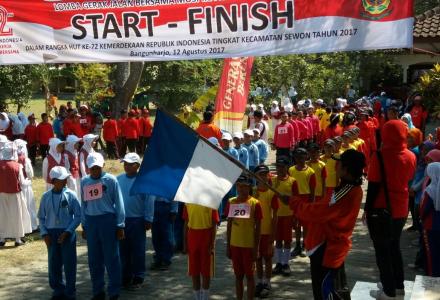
179	165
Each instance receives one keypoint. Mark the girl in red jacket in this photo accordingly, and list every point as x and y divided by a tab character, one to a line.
330	228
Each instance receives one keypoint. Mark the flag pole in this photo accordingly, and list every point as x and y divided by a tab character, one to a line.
224	154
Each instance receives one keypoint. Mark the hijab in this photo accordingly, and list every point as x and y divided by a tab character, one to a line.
71	140
88	140
24	120
408	120
433	189
434	155
4	123
21	147
394	135
9	152
17	126
417	135
53	144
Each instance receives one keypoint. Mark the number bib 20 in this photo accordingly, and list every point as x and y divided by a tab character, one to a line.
93	192
242	211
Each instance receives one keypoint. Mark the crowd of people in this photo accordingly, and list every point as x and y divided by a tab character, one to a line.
323	153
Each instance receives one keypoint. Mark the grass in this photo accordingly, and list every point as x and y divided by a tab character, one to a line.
35	106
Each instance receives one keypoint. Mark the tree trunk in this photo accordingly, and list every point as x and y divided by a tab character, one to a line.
128	75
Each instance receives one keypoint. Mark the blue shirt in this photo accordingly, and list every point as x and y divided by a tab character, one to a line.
254	158
110	203
174	204
263	150
136	206
243	156
232	152
59	211
57	128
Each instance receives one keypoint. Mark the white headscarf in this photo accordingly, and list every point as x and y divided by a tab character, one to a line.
71	140
21	147
17	126
53	143
4	124
433	189
9	152
24	120
88	139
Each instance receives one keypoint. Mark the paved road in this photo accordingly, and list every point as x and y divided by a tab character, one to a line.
30	281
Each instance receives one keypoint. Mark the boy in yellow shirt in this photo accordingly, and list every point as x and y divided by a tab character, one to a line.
199	240
320	170
283	237
347	142
331	181
306	181
269	205
243	236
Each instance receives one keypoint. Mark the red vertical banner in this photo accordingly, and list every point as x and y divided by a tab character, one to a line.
232	94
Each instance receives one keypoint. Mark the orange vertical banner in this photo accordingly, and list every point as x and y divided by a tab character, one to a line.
231	100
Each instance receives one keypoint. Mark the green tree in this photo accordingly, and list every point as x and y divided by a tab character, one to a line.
176	83
93	82
420	6
16	85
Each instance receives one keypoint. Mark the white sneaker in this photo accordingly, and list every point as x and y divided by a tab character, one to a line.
399	292
380	295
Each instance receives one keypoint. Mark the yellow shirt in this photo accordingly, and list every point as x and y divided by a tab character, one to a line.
358	144
330	167
268	203
199	217
318	169
343	149
324	121
303	179
242	231
285	188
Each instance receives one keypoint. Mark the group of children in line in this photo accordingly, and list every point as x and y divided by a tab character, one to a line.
131	131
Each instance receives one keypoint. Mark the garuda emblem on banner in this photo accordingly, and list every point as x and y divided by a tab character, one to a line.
376	9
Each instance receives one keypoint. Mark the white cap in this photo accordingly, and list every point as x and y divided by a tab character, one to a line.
237	135
3	138
383	94
256	130
248	132
72	139
95	159
131	158
214	141
275	102
59	172
253	106
227	136
260	105
319	101
90	136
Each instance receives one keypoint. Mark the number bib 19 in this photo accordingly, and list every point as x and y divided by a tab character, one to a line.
93	192
242	211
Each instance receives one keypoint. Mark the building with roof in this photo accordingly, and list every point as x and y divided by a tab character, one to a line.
426	49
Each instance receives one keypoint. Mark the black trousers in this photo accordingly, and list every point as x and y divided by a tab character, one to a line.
111	150
389	257
131	144
43	151
327	283
32	152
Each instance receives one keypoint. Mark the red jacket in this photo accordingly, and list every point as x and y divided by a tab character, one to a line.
303	129
131	129
331	132
145	127
332	224
284	136
121	127
110	130
30	134
400	166
44	133
86	124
